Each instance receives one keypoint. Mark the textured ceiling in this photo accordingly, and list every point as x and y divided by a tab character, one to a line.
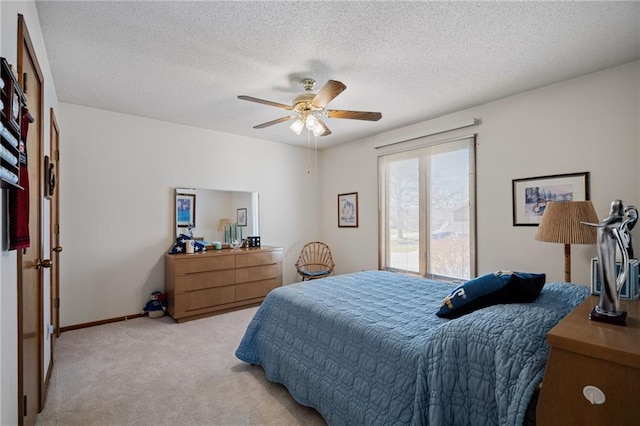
186	62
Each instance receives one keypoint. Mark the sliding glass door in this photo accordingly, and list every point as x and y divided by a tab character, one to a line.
428	211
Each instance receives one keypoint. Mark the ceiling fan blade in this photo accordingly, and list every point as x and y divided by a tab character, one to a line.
262	101
328	92
272	122
354	115
326	132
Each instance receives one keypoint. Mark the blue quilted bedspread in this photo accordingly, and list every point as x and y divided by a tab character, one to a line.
367	348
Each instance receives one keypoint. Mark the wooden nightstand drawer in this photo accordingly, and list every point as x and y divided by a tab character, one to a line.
567	375
587	353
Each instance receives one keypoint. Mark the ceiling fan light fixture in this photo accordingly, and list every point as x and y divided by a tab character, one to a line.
297	126
308	109
311	121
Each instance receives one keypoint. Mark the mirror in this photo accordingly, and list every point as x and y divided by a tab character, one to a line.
205	209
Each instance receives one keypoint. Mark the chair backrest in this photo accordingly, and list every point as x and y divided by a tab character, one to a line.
315	256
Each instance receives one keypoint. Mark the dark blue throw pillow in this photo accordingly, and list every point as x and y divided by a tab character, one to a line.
492	289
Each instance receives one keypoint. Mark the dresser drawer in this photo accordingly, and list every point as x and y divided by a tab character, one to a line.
257	288
202	264
258	273
194	300
262	258
202	280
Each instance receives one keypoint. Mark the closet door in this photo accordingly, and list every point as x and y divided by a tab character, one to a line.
30	277
52	192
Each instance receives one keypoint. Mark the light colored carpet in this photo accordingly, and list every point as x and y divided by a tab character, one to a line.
157	372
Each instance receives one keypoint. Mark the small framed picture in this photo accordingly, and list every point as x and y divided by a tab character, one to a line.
185	210
531	195
49	178
348	210
241	217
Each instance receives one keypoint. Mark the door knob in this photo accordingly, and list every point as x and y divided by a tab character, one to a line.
44	263
57	249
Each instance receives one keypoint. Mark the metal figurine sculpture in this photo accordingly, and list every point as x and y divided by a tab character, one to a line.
614	232
631	217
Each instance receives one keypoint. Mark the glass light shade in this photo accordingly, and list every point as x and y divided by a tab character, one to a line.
318	129
311	122
297	126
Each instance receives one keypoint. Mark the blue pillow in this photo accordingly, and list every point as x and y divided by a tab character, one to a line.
492	289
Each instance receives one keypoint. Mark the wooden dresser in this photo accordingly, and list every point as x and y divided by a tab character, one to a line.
216	281
584	353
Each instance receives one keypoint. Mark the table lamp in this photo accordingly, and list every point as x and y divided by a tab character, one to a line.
560	223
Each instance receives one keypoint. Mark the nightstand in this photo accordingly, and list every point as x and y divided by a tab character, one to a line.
584	353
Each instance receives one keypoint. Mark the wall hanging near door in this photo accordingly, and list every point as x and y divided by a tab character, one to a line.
49	178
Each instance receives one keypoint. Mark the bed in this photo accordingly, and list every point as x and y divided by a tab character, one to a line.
367	348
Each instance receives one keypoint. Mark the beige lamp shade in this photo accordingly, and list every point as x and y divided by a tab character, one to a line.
223	223
561	223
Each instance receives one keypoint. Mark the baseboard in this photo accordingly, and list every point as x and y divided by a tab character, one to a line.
101	322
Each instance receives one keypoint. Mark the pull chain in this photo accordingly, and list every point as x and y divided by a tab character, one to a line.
308	152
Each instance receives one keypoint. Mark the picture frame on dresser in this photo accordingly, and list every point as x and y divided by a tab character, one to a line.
185	210
241	217
531	195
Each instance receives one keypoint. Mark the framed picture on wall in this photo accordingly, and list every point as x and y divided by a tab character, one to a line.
348	210
241	217
49	178
531	195
185	210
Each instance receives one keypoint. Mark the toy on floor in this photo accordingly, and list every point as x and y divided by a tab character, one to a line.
156	306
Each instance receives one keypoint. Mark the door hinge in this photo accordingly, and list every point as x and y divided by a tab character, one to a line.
57	303
24	406
57	155
57	229
24	82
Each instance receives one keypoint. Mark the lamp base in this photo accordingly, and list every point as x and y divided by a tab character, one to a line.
617	320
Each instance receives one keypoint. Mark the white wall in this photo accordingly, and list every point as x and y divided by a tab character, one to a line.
118	174
8	275
585	124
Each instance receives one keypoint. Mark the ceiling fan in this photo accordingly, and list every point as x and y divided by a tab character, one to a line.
309	108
